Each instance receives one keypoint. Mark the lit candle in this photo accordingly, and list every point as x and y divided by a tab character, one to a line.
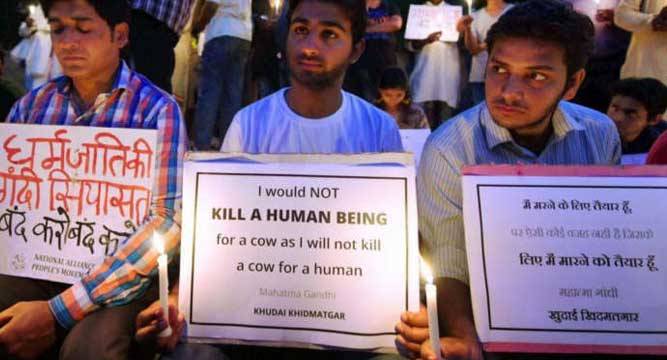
432	308
164	281
276	5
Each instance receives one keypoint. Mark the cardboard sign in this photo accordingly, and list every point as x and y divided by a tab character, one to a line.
424	20
70	196
294	251
414	140
569	259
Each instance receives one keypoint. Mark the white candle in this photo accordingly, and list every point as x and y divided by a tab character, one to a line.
432	309
164	281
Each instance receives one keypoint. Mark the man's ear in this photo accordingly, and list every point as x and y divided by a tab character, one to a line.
358	50
121	34
573	84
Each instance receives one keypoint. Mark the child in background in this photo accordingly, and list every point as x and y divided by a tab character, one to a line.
395	100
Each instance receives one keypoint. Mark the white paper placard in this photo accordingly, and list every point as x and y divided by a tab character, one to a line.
414	140
291	252
424	20
568	261
70	196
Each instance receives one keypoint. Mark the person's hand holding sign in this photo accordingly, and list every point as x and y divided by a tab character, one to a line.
27	329
151	321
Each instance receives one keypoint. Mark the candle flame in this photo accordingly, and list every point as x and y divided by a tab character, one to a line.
426	271
158	242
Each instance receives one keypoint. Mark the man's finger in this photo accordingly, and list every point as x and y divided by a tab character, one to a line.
147	332
415	334
147	316
411	346
427	351
415	319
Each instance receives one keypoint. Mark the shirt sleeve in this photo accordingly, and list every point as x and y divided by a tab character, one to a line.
658	153
125	276
439	202
391	137
628	16
233	141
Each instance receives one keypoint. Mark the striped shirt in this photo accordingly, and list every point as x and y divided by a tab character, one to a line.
132	103
580	136
174	13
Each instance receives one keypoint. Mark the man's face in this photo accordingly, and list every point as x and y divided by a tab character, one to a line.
525	80
319	45
629	115
82	41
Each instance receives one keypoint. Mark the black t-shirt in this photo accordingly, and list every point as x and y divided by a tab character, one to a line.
380	14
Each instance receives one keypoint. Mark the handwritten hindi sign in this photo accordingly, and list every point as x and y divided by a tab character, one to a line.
70	196
424	20
297	252
568	263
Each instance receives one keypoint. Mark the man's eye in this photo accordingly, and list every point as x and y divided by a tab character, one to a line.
537	77
328	34
57	29
300	30
83	30
498	69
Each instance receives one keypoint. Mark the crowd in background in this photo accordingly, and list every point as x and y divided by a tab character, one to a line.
216	56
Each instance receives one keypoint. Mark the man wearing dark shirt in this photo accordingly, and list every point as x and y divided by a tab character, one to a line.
384	20
636	108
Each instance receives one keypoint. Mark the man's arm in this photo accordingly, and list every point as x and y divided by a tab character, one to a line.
203	15
628	16
439	196
464	26
122	278
388	25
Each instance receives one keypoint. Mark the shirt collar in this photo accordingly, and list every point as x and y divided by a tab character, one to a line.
562	123
121	81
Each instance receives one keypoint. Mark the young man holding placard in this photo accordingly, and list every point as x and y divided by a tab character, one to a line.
313	116
537	54
94	318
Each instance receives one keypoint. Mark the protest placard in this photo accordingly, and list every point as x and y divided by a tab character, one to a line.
294	251
568	259
424	20
70	196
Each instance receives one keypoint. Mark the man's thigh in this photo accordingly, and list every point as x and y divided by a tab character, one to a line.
107	333
16	289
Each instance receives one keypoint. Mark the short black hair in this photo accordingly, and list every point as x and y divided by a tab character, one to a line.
114	12
354	9
651	93
393	78
551	21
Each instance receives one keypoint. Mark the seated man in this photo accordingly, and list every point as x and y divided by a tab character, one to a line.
313	116
94	318
636	108
537	54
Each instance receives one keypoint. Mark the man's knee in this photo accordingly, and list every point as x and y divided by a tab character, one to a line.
105	334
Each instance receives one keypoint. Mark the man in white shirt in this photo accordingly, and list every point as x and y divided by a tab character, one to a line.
228	25
315	115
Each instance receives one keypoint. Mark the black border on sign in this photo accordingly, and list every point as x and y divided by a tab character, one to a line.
194	237
486	279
